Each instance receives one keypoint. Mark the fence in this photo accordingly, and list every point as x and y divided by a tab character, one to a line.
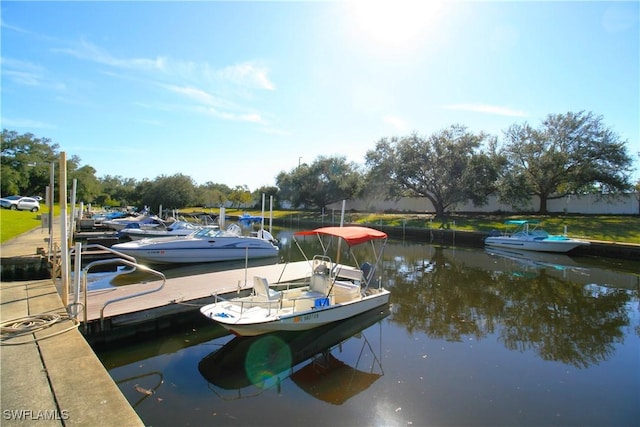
589	204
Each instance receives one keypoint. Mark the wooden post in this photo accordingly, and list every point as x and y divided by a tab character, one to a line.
64	246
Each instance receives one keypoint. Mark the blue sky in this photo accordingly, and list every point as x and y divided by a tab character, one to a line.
236	92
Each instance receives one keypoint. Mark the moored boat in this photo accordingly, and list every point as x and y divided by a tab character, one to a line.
133	231
332	292
525	237
205	245
143	222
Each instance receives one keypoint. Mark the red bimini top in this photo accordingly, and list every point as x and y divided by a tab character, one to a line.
353	235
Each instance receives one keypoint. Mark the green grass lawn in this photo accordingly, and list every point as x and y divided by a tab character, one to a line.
14	223
616	228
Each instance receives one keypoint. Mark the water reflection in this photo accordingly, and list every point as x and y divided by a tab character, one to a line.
473	338
247	366
450	296
531	262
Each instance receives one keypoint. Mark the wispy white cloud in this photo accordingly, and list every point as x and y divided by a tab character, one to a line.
198	82
28	74
90	52
199	95
248	74
396	122
15	28
248	117
213	106
187	79
487	109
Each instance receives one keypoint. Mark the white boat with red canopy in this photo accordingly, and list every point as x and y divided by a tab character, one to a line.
331	292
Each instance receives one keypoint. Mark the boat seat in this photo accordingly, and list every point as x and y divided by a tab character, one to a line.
319	283
262	289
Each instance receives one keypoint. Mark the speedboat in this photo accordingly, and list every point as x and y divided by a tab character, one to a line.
331	291
532	239
205	245
143	221
133	231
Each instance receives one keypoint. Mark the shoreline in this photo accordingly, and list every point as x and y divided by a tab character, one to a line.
23	256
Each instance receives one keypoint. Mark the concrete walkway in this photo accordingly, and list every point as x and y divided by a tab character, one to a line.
50	376
27	243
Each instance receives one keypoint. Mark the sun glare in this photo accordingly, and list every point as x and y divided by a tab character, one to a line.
394	23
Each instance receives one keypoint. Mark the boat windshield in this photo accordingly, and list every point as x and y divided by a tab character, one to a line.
209	232
206	233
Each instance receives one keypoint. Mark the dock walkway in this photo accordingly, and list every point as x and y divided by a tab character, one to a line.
49	379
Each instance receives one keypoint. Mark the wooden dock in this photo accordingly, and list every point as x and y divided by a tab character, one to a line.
109	320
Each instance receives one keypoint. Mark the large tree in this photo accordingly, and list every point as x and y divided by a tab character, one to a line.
211	195
26	167
325	181
88	186
569	153
118	191
268	191
240	196
447	167
172	192
26	163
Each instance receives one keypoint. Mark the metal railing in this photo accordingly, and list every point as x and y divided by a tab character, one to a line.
122	260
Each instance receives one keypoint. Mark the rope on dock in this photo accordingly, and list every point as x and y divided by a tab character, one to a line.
30	324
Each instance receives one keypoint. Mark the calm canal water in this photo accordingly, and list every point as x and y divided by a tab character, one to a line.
471	337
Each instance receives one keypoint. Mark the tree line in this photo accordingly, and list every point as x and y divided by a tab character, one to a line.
572	153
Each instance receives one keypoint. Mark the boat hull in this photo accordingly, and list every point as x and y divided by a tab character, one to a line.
168	252
298	321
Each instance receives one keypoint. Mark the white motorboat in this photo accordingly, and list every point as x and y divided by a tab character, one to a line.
143	221
532	239
331	292
179	228
205	245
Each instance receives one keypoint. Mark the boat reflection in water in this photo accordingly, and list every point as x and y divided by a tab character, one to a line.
248	366
538	260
